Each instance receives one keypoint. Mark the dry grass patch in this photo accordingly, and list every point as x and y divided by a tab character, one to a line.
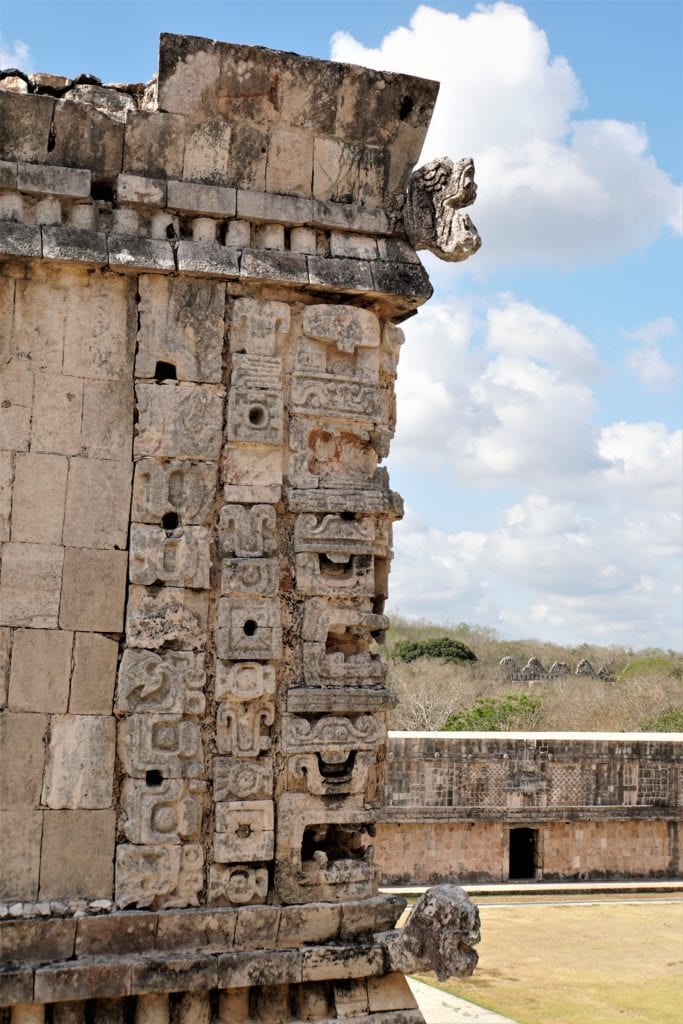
583	964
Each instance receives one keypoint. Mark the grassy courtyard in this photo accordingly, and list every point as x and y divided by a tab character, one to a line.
580	964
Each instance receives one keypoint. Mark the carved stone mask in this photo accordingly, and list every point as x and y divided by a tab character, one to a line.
435	195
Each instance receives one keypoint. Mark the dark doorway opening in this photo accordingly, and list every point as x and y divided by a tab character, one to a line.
523	852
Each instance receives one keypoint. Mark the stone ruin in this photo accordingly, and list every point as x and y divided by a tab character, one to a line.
533	669
201	285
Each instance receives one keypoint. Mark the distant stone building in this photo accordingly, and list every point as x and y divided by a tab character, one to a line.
489	807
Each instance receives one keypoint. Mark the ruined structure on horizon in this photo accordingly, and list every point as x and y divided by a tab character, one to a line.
200	291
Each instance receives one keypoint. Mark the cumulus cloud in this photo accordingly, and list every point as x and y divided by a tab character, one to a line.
553	186
15	55
647	361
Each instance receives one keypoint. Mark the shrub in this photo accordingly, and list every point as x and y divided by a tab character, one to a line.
442	647
495	714
670	720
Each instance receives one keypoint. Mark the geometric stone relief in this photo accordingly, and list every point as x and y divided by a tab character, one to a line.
171	682
251	372
328	454
246	532
244	680
248	629
244	831
330	395
242	780
158	616
257	326
340	340
334	555
252	473
161	743
331	732
170	812
338	773
255	416
239	727
257	576
179	421
177	557
237	884
184	488
181	323
159	876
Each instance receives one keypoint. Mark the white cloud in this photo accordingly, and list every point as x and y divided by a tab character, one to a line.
552	187
648	363
15	55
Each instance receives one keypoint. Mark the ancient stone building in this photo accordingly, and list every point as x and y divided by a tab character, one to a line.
483	807
201	285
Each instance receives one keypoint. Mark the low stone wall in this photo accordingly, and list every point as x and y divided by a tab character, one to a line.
482	807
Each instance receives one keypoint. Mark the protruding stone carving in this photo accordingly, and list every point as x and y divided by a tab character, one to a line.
244	831
158	616
439	935
247	532
177	557
436	192
257	326
329	454
340	340
180	487
253	372
332	773
255	416
242	780
179	421
244	680
237	884
172	682
159	876
256	577
240	727
331	732
248	629
167	744
170	812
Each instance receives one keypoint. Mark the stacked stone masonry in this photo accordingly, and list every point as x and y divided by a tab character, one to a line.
201	282
588	806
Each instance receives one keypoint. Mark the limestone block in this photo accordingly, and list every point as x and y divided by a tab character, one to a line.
334	534
257	928
157	617
286	268
47	211
177	557
352	276
402	279
22	756
36	939
77	854
303	240
290	162
170	812
124	221
86	137
362	247
268	236
41	665
181	323
185	972
396	250
72	244
139	190
196	929
172	682
194	1008
321	667
69	1012
159	876
84	216
252	474
152	1008
164	225
161	743
30	585
314	922
16	399
331	733
246	532
255	416
281	967
99	339
36	329
331	773
57	414
39	498
107	425
25	124
330	395
18	239
238	233
93	591
256	373
183	489
244	681
209	200
244	832
97	503
241	727
343	334
79	771
180	421
248	629
237	885
391	992
242	780
351	997
59	181
153	144
207	152
204	229
328	454
200	258
20	835
4	665
256	577
258	327
135	254
75	982
266	207
328	962
94	674
8	173
345	172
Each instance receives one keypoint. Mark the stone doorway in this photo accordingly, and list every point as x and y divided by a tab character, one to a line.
523	853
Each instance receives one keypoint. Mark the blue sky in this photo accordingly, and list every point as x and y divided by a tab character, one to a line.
539	437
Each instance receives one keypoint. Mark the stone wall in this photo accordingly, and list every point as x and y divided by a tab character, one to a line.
201	286
597	806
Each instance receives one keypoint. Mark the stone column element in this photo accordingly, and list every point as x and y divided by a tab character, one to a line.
201	286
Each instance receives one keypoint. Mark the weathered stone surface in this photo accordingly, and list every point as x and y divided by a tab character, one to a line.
244	832
99	341
157	616
244	680
21	776
346	275
171	683
170	812
210	259
242	780
38	498
181	323
59	181
77	854
75	244
446	947
332	732
255	416
16	398
265	207
135	188
342	962
25	124
246	532
241	727
257	927
115	934
391	992
179	557
210	200
196	929
237	885
175	973
159	876
20	240
6	484
309	923
86	137
37	940
97	503
252	474
94	674
270	265
435	194
57	414
248	629
349	173
207	152
16	986
258	327
30	585
179	421
161	743
61	982
20	838
183	488
80	762
93	591
107	423
128	252
280	967
153	144
249	576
